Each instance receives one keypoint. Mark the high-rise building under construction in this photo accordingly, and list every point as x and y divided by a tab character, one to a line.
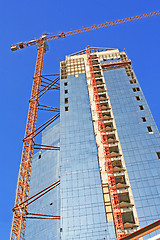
109	159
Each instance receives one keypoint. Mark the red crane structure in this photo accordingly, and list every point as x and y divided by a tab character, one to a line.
22	194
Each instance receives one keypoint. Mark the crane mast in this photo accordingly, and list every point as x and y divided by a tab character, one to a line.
19	212
22	193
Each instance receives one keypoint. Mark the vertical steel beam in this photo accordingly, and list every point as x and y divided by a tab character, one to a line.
19	214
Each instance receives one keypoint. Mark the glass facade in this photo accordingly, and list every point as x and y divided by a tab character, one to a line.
82	205
45	171
139	146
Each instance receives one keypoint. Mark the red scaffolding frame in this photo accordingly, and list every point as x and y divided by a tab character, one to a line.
108	164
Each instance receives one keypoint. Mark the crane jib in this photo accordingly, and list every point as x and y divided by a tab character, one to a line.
44	37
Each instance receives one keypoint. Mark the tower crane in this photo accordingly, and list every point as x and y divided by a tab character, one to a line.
22	193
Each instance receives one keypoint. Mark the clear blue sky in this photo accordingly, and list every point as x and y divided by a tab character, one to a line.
26	20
